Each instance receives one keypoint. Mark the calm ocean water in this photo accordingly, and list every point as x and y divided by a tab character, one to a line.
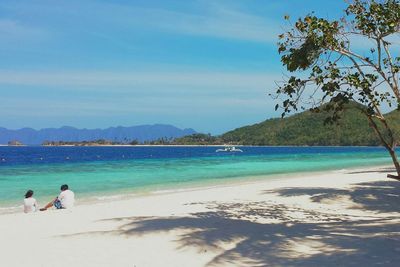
105	171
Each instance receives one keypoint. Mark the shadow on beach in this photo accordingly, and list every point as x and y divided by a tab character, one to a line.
314	238
379	170
381	196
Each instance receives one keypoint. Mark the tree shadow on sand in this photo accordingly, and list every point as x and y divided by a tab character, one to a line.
380	196
268	234
329	243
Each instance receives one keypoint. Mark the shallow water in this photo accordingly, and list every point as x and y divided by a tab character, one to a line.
101	171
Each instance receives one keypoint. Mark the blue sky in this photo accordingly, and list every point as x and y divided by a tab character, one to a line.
208	65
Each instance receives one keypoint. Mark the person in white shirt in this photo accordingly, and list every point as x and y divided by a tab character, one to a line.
65	199
30	204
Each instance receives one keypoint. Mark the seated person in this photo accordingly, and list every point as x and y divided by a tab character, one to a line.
30	204
65	199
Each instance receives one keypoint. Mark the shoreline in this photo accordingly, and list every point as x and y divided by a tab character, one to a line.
142	176
134	193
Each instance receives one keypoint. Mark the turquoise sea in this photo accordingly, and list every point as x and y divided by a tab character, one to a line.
98	172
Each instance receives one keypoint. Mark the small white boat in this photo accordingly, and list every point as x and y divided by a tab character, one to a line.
229	149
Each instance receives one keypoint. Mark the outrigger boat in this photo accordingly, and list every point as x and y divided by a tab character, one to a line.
229	149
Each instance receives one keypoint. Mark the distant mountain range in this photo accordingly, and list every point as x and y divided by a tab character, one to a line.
140	133
303	129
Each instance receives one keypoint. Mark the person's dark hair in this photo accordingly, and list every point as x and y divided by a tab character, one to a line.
28	193
64	187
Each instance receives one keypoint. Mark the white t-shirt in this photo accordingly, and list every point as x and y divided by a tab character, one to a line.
30	205
67	199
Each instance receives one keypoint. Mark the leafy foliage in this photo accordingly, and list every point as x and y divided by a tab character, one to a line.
197	139
99	142
334	71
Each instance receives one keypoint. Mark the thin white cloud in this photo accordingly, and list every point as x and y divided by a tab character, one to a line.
15	30
135	105
219	23
134	79
204	20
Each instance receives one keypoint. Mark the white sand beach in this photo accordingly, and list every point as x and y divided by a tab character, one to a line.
337	218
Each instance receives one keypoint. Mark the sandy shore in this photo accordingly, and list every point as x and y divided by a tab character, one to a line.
339	218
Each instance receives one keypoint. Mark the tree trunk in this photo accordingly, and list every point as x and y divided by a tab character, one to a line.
396	163
389	146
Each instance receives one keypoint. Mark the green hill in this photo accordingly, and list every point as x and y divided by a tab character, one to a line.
307	128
